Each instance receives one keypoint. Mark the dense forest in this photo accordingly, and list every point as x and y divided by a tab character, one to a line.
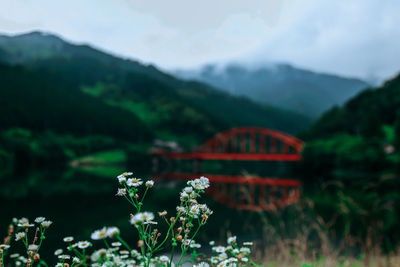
60	101
362	135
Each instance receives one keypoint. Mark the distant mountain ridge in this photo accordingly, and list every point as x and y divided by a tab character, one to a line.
280	85
164	105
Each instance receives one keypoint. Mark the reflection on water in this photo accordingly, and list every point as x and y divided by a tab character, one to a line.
80	200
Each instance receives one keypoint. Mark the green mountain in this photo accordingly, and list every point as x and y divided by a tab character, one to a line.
363	115
60	101
362	136
162	102
280	85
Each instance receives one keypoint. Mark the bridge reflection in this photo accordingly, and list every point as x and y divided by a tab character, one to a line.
244	144
252	193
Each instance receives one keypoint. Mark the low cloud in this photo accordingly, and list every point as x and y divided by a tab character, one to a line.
352	38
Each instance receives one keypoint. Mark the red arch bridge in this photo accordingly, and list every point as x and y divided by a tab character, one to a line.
245	144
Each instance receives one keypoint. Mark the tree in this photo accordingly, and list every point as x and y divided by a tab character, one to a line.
397	132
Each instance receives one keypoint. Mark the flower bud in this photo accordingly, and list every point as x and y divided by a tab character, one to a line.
163	213
36	257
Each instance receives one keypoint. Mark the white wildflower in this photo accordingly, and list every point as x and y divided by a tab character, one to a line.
25	224
135	182
98	254
184	196
40	219
219	249
194	210
99	234
205	209
112	231
68	239
46	224
181	209
245	250
64	257
121	192
164	258
116	244
195	245
58	252
149	183
142	217
19	236
83	244
201	183
121	179
231	240
76	260
188	189
222	256
23	220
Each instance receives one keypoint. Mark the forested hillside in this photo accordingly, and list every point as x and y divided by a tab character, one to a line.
60	101
363	135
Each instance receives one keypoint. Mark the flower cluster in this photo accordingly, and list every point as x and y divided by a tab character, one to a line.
232	254
31	234
183	227
105	232
78	251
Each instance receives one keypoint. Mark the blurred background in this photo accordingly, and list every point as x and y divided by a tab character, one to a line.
89	88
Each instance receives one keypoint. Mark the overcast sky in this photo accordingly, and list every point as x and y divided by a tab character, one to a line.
348	37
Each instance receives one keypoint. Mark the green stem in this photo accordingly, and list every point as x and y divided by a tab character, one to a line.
141	201
123	242
106	243
166	237
41	238
76	251
84	257
172	256
187	247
